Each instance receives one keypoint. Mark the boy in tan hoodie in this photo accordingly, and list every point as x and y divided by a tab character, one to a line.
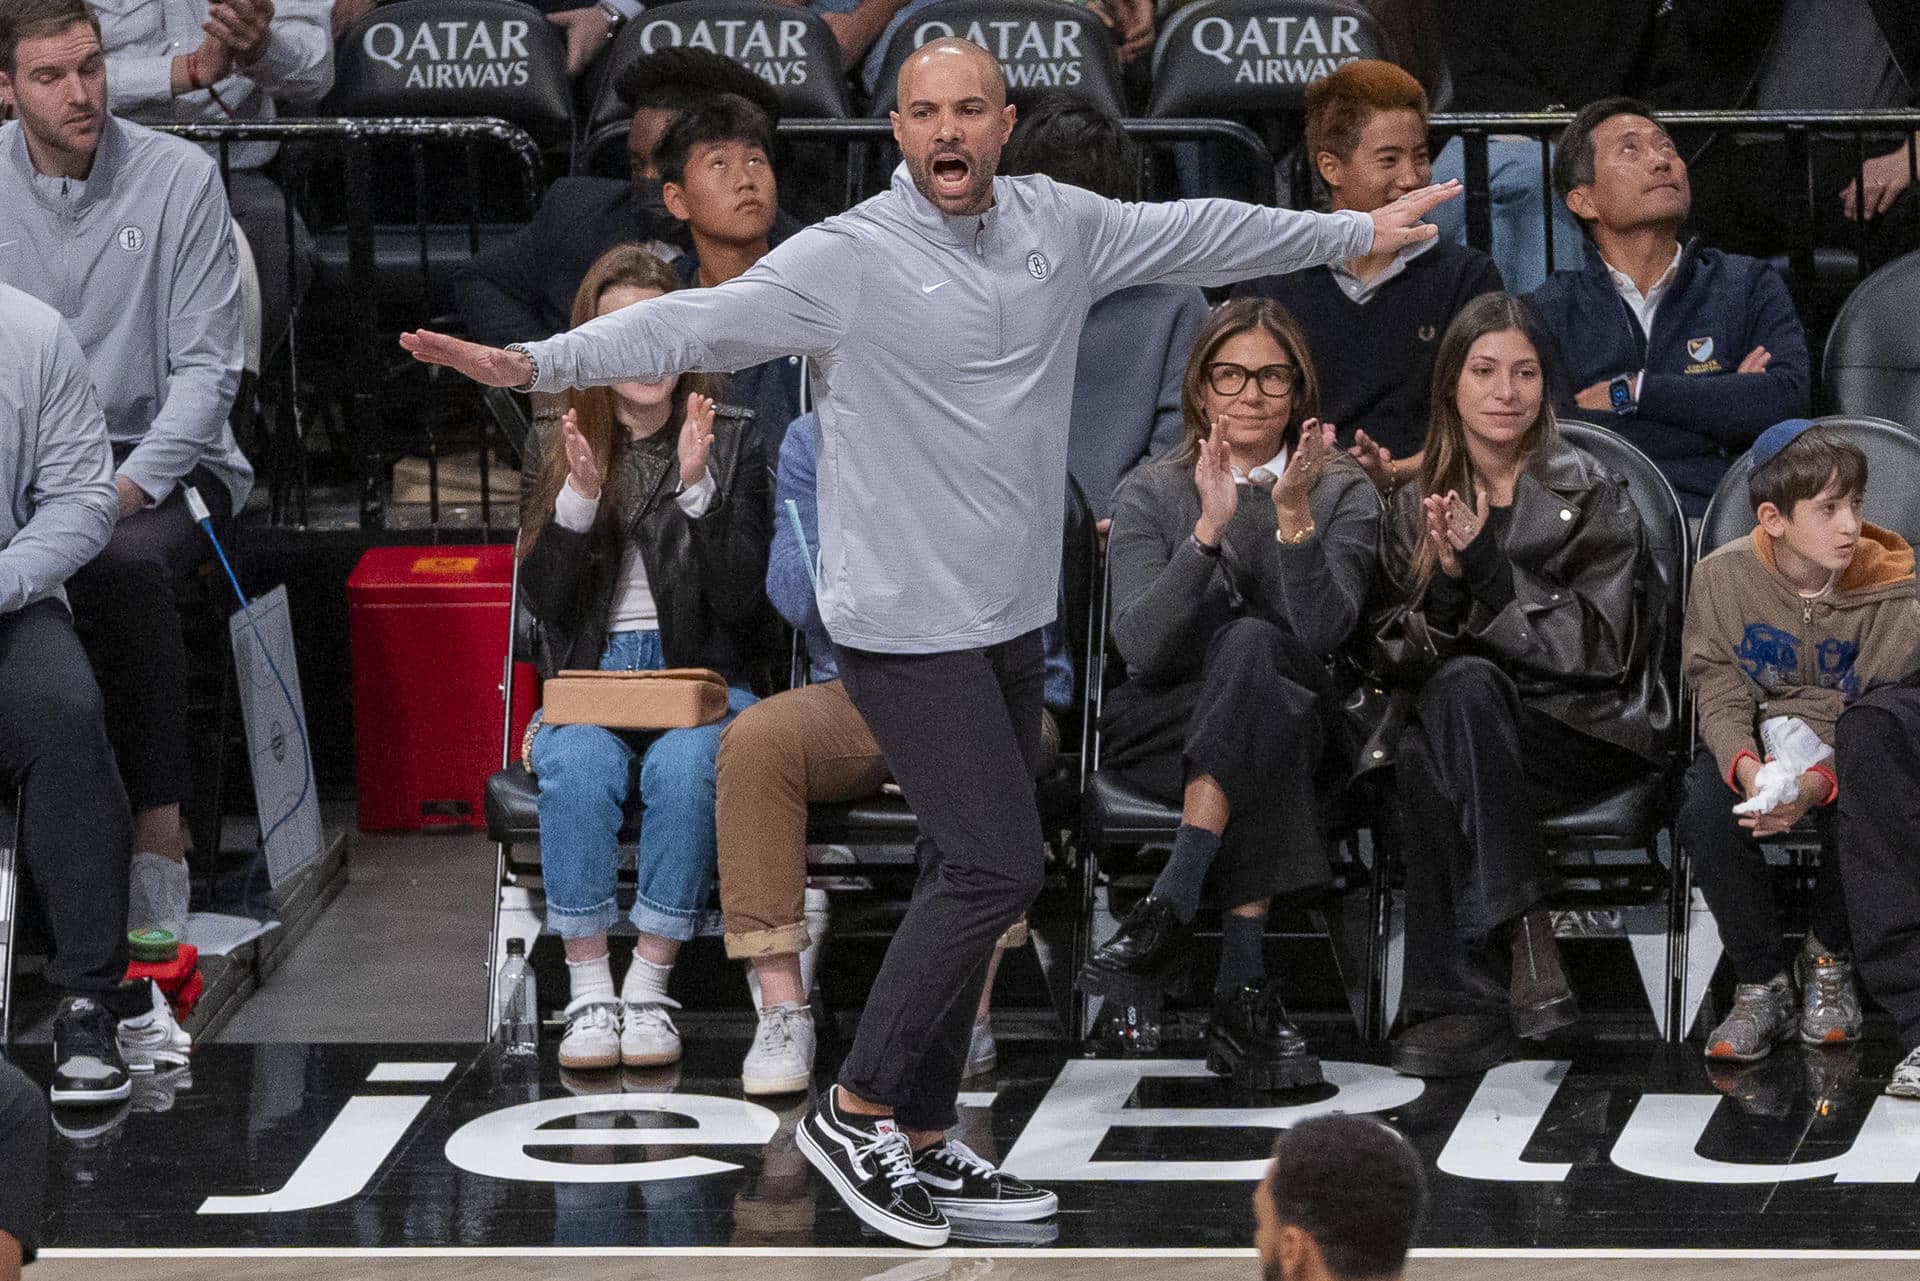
1814	610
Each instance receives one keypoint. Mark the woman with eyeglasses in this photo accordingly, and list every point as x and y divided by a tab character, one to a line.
1238	564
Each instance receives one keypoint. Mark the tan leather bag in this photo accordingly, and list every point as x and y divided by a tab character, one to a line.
677	698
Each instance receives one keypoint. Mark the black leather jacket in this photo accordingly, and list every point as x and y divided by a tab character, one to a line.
708	576
1584	633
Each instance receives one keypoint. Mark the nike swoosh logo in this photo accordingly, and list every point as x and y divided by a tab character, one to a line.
945	1185
927	289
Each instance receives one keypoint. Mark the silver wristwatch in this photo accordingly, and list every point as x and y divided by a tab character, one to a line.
533	364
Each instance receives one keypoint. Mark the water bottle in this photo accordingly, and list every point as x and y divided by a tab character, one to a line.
519	1022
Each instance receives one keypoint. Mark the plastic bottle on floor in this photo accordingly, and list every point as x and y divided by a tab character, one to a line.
519	1024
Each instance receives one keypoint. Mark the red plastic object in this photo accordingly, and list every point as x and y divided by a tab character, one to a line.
429	631
179	979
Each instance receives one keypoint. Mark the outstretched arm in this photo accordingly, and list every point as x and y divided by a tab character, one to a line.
799	300
1219	242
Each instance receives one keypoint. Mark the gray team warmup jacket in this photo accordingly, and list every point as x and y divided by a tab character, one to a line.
943	352
139	257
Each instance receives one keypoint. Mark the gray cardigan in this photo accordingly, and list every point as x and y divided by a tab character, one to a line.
1169	599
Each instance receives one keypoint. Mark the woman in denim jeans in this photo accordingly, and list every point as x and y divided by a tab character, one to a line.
643	545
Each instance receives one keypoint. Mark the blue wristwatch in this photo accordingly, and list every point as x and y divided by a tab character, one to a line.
1620	394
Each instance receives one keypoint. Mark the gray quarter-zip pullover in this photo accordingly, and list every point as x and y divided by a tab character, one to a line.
943	353
56	471
140	259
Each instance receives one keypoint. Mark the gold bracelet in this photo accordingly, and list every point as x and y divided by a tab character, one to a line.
1297	539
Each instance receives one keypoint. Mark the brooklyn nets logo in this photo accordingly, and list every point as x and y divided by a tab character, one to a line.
1037	265
132	239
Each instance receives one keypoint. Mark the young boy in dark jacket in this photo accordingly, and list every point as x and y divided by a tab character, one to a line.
1794	624
1688	352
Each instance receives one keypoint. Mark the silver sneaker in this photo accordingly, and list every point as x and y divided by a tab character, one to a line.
648	1037
1829	999
1906	1078
1763	1014
982	1054
781	1059
592	1038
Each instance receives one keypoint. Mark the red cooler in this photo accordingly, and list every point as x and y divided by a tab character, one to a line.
429	643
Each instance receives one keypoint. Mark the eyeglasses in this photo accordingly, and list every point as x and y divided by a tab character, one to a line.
1230	380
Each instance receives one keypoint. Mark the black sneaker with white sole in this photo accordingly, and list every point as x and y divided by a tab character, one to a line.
964	1186
88	1069
870	1165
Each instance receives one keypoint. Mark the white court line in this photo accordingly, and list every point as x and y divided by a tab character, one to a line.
423	1073
865	1252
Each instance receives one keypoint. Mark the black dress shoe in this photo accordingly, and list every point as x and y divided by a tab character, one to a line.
1149	953
1542	999
1250	1040
1453	1045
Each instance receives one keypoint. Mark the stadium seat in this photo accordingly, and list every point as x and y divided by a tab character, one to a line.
1254	58
1041	44
9	911
1872	363
1893	501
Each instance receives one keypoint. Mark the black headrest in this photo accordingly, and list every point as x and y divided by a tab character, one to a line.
789	48
1893	495
456	58
1873	354
1253	57
1041	44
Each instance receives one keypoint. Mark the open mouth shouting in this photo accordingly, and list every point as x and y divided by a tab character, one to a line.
950	175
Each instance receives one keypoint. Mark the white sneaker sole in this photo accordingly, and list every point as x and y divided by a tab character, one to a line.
868	1213
1031	1210
83	1098
775	1084
578	1062
652	1058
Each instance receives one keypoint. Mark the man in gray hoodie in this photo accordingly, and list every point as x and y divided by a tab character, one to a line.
126	233
943	320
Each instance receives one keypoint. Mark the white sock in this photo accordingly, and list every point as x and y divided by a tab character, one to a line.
646	983
591	978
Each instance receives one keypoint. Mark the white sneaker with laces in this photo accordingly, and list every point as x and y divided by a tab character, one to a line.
154	1039
1906	1078
781	1060
592	1038
648	1037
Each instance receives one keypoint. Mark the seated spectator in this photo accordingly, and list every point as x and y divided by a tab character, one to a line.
1878	754
1522	607
211	61
1521	55
1789	56
643	544
23	1155
525	286
809	745
1372	324
1238	564
717	177
127	231
1686	351
1799	621
1341	1202
75	832
1134	349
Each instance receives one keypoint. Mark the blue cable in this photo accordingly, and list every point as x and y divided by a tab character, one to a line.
198	507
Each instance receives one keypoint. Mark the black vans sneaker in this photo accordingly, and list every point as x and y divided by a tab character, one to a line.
870	1165
964	1186
87	1067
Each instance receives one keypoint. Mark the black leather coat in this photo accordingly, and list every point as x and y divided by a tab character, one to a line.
708	575
1584	634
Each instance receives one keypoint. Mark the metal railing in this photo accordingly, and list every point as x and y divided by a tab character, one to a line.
369	214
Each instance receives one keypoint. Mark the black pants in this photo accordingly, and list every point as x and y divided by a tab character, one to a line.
1731	871
961	733
76	836
1879	765
1738	204
23	1156
1476	771
128	616
1258	722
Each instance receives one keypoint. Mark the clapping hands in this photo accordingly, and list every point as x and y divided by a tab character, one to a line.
1452	526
